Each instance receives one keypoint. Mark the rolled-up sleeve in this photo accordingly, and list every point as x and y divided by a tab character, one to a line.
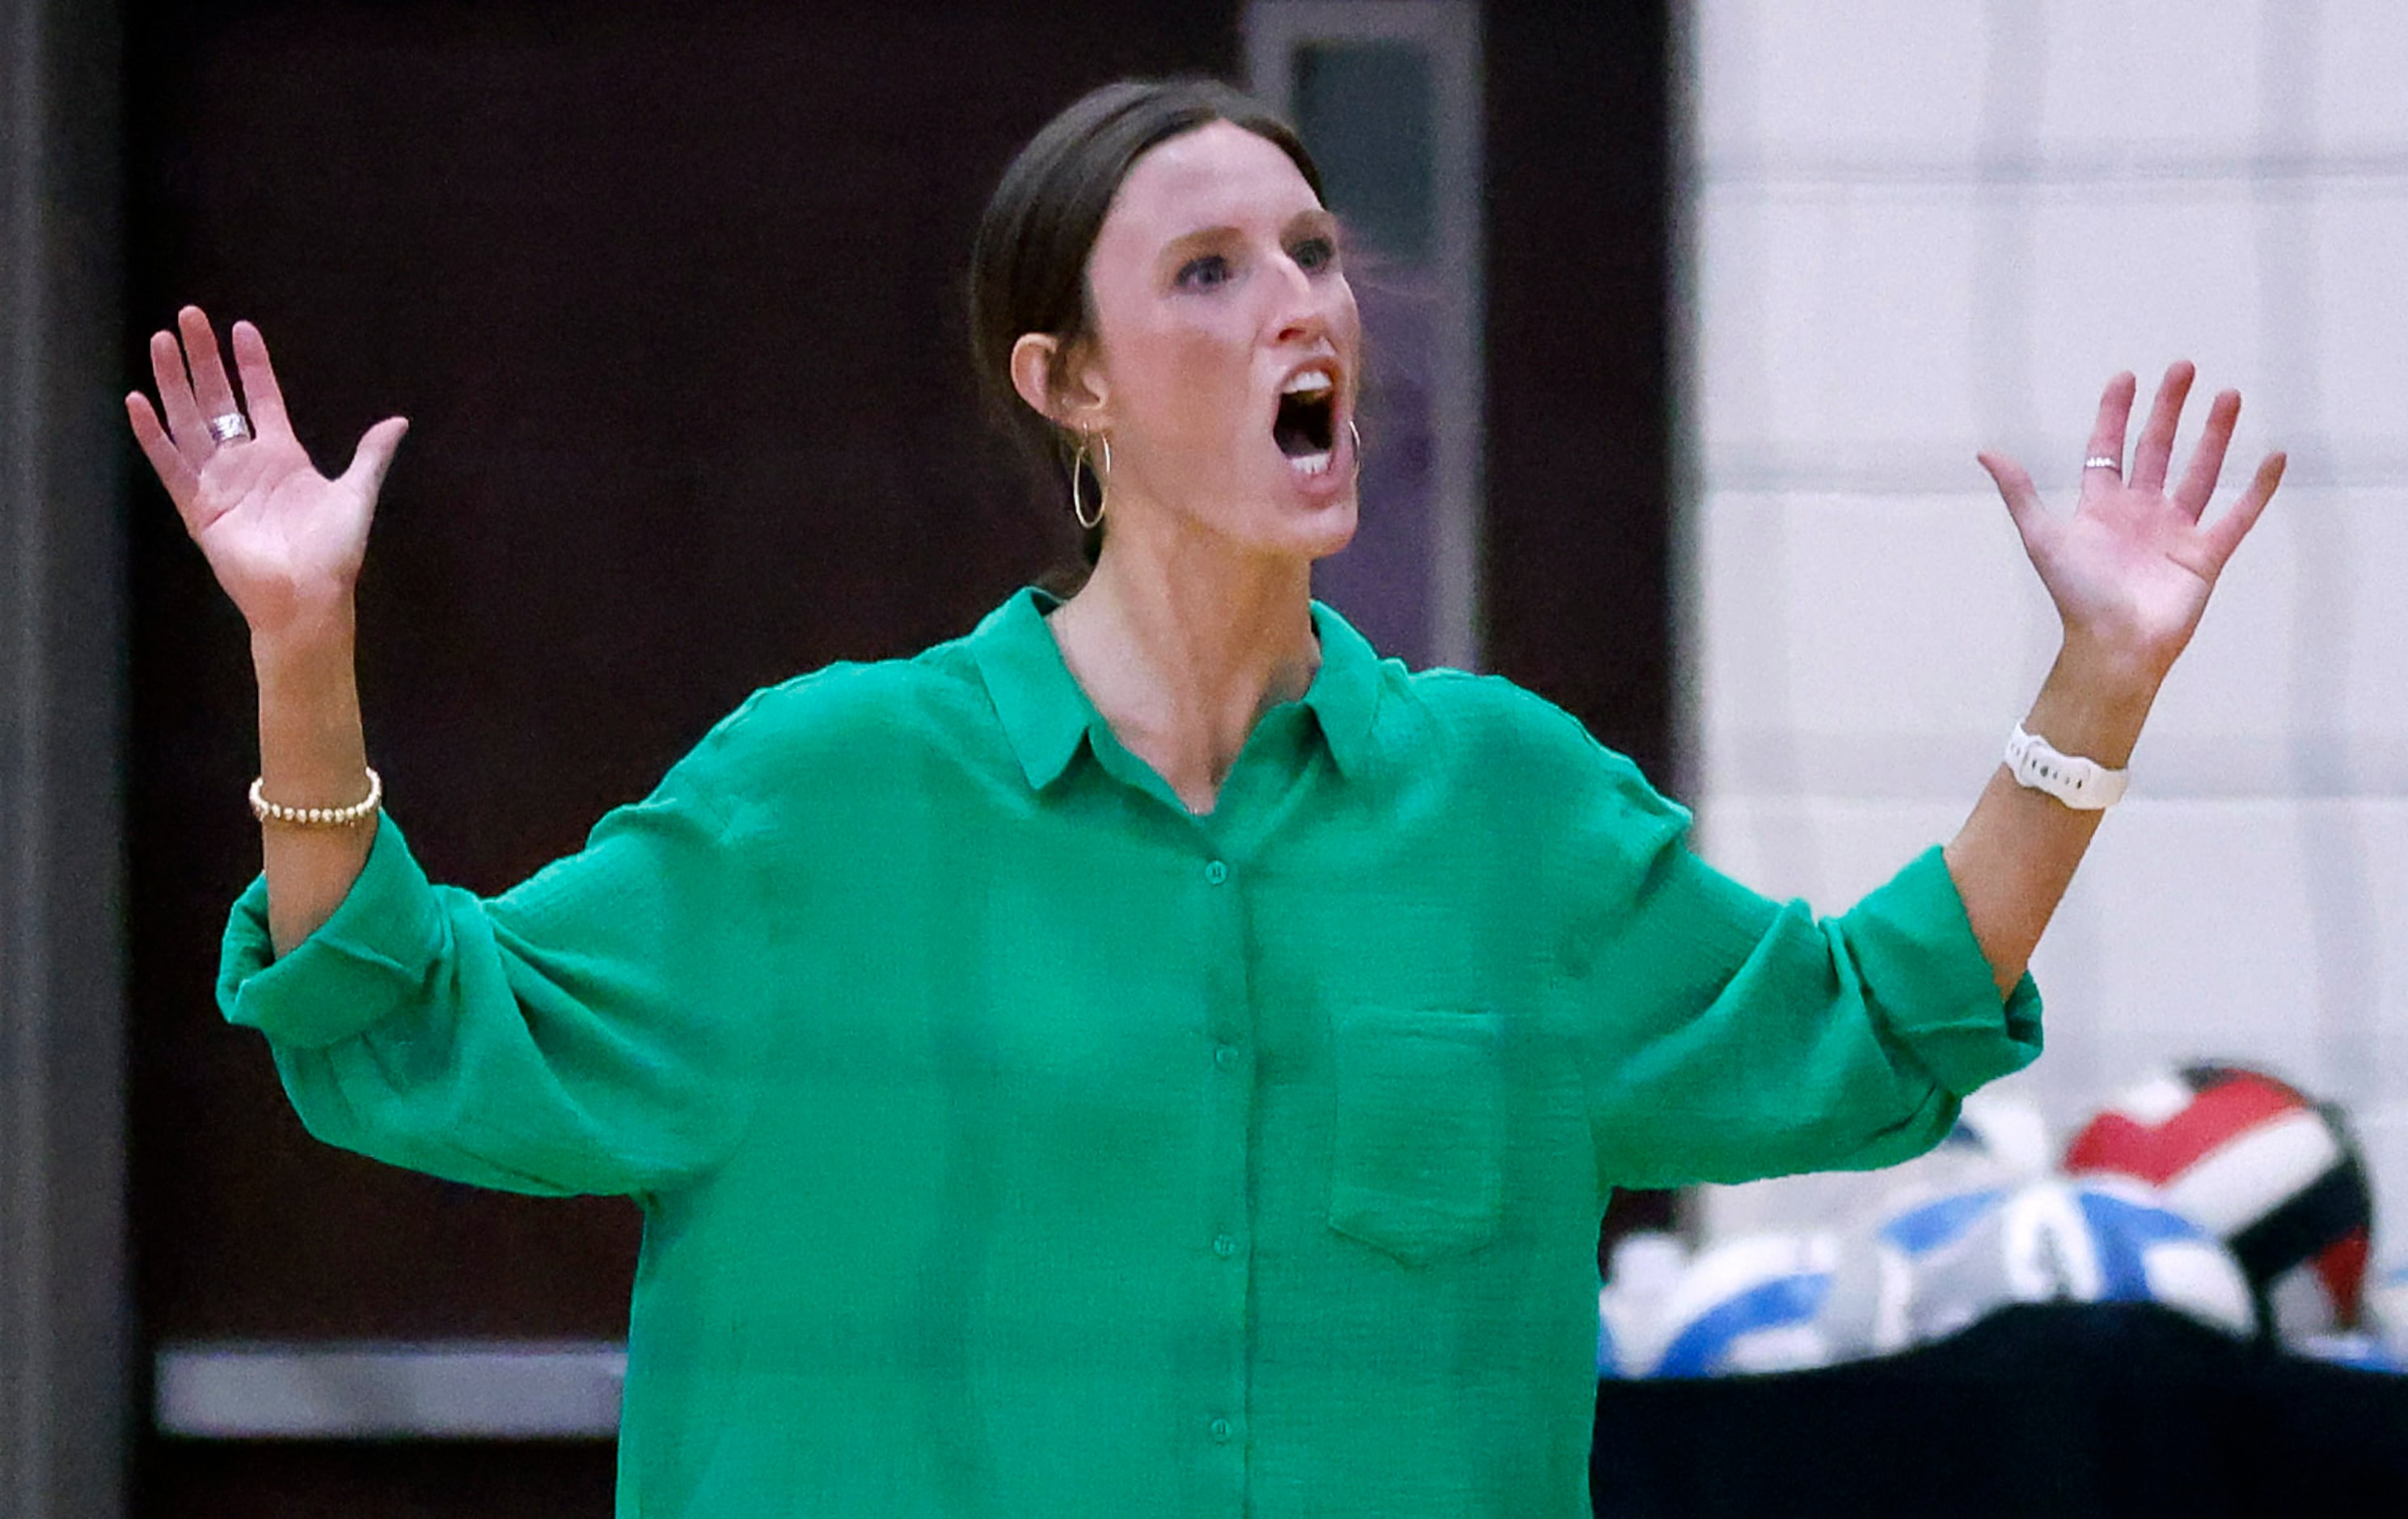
594	1029
1734	1037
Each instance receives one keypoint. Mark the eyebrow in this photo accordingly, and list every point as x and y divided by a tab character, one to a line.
1314	219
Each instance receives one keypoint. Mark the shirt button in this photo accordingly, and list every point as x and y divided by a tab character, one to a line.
1225	1246
1221	1431
1215	873
1227	1057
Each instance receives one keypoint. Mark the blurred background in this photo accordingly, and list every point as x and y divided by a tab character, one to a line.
1911	230
1687	320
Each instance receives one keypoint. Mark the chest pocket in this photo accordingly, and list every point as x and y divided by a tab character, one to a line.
1417	1165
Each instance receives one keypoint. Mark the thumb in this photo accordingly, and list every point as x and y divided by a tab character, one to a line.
2022	500
374	455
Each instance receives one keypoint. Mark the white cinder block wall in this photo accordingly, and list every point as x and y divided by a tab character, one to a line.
1919	228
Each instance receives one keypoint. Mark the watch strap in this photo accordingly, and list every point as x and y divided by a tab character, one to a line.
2083	784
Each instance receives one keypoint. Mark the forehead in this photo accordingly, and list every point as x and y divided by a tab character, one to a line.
1220	174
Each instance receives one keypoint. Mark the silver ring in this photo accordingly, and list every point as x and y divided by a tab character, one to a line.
229	428
2101	462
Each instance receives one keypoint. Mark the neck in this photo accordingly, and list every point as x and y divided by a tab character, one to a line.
1182	644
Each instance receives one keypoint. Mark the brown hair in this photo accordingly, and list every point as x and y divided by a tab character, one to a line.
1029	267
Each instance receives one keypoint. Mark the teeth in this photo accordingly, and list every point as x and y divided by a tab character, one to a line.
1310	464
1309	382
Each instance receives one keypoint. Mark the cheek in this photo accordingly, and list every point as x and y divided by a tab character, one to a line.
1346	321
1199	382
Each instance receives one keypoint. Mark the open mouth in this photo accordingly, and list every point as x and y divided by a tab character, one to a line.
1305	426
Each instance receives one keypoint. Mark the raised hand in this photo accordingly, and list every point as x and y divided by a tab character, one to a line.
2132	568
284	541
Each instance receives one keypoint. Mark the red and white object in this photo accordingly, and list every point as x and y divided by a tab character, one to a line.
2263	1166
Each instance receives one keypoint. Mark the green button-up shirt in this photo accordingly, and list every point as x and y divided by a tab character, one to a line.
1012	1141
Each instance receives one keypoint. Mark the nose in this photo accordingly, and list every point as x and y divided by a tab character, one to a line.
1301	313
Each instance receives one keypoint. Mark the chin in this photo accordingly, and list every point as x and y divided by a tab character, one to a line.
1329	529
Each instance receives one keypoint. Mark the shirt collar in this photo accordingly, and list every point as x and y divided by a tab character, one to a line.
1045	714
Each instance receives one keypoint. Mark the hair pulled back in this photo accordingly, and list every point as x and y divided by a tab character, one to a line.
1029	266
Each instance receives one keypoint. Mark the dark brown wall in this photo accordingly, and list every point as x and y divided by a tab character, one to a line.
1579	433
672	297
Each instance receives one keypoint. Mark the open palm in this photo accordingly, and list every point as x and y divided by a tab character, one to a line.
284	541
2132	568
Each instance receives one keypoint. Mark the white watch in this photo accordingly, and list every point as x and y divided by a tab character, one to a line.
2083	784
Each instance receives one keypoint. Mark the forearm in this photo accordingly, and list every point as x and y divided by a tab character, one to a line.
311	753
2016	853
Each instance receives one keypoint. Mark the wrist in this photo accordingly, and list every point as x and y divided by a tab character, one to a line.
2092	706
307	647
2110	670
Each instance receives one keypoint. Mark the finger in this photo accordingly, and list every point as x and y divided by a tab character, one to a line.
2022	500
2207	459
182	412
2107	433
160	449
2224	535
2157	444
374	456
210	388
260	391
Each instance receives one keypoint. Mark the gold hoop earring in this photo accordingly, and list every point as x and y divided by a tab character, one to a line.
1103	483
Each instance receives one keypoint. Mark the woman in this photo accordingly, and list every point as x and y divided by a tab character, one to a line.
1148	1055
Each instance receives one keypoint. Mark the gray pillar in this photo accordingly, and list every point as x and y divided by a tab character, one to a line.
65	1326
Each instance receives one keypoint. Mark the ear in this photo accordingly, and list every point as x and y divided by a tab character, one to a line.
1073	401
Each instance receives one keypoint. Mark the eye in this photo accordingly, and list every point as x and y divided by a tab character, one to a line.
1206	272
1314	255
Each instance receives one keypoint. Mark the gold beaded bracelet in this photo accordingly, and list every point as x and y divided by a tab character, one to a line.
350	817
